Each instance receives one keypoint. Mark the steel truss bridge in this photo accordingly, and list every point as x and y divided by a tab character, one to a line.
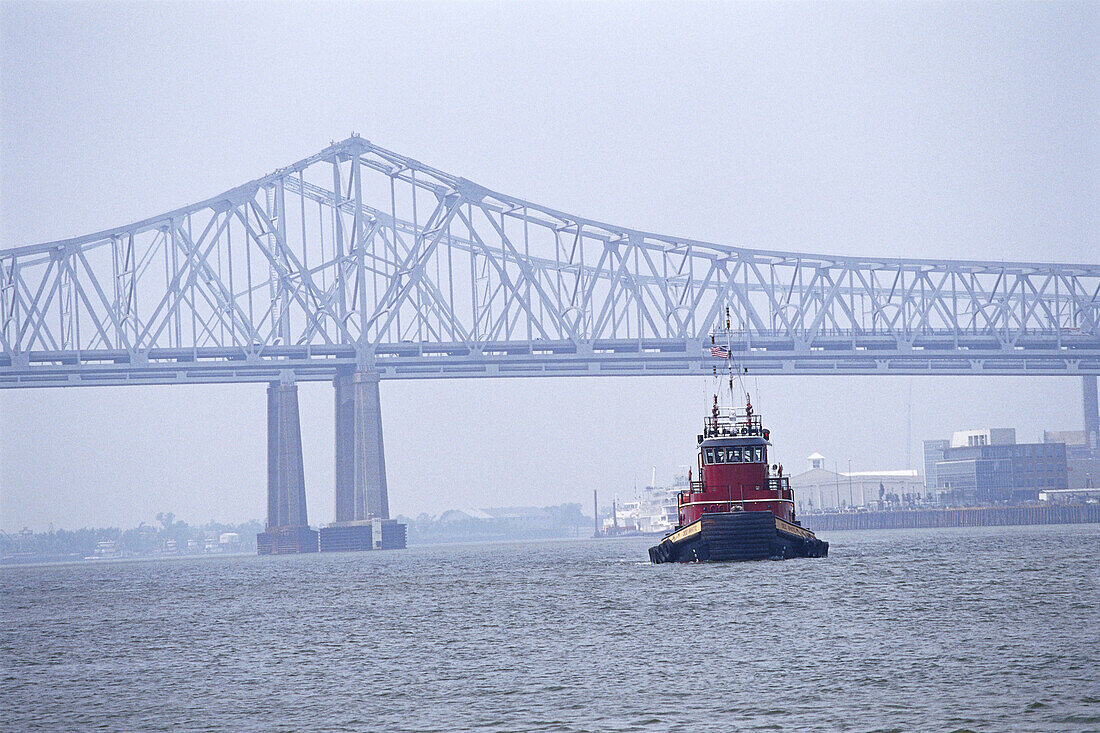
360	258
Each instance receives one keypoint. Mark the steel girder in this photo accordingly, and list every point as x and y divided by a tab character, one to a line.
358	256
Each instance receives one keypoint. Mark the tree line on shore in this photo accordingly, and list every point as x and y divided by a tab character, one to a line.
454	525
168	536
171	536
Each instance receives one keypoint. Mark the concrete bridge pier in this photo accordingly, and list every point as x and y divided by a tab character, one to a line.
361	492
362	497
1092	415
287	523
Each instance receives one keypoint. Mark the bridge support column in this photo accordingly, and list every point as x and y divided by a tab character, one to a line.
361	491
287	525
1092	415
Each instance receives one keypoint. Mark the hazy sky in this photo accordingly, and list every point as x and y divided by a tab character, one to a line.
932	130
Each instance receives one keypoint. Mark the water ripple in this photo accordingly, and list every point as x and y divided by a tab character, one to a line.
968	629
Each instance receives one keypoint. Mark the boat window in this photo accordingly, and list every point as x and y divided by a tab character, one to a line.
735	455
759	454
710	455
720	455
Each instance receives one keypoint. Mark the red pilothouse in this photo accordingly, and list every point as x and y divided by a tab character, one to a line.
733	466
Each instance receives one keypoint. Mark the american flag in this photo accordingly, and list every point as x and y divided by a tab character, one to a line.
720	351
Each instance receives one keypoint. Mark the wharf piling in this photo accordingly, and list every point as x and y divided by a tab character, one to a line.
988	516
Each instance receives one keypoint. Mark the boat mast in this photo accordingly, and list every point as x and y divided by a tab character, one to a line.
731	365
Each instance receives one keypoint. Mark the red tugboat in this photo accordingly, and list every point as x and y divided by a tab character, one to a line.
741	509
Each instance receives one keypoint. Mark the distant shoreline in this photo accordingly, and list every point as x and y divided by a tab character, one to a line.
43	560
46	560
841	522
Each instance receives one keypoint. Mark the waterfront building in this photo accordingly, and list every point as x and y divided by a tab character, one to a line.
933	453
988	466
820	489
511	521
1070	496
229	542
1082	459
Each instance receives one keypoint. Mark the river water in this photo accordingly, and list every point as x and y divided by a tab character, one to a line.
987	629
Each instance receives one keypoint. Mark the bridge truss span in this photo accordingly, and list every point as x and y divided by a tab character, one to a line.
358	257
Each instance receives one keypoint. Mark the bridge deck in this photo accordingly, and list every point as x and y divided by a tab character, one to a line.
358	256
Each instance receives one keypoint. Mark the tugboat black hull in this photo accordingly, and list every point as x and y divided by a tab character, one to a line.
734	536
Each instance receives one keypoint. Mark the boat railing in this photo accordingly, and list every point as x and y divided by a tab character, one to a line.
782	485
779	484
773	483
729	425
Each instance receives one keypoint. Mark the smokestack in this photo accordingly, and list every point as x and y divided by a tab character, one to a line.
596	512
1092	418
